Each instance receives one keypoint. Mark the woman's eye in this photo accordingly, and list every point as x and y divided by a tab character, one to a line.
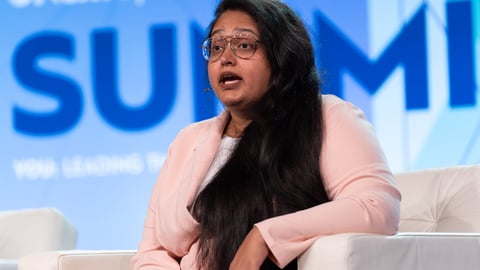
216	48
244	45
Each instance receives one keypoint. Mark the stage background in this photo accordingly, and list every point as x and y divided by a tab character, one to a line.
93	91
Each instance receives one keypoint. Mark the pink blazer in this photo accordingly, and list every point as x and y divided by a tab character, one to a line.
356	175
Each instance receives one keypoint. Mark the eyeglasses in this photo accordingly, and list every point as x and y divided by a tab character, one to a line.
243	46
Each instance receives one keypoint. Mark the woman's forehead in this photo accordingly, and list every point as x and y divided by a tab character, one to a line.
235	22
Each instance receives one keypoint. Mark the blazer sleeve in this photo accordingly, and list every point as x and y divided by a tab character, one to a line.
357	180
151	255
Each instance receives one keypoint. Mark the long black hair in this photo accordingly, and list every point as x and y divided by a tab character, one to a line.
275	168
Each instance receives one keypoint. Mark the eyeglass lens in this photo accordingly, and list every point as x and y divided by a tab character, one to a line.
243	47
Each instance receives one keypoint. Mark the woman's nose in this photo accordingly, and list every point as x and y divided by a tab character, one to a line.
228	57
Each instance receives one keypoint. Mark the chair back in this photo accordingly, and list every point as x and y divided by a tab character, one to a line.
440	200
28	231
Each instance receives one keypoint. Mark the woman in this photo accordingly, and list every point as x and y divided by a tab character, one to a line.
282	166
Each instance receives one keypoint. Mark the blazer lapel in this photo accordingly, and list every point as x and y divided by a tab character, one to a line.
204	152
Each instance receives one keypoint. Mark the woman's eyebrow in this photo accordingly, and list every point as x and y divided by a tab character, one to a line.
217	31
236	30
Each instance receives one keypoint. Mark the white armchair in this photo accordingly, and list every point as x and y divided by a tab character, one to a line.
27	231
439	229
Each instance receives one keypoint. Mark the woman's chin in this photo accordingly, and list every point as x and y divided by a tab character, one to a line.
232	102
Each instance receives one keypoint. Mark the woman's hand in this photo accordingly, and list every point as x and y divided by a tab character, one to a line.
252	252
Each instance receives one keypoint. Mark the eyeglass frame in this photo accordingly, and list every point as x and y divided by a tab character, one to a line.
207	54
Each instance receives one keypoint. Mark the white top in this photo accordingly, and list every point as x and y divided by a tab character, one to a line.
223	153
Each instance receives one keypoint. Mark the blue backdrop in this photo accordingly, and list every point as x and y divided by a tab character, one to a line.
93	91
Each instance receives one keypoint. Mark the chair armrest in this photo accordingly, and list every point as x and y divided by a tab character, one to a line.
353	251
77	260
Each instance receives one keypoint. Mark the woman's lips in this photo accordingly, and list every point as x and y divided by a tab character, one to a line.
229	80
